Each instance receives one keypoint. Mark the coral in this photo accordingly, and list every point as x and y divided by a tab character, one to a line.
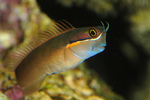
14	93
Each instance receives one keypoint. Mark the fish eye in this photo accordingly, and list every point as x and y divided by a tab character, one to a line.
92	32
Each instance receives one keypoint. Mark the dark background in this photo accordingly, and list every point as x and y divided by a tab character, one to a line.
112	66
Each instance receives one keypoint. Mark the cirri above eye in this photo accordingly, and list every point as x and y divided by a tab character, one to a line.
92	33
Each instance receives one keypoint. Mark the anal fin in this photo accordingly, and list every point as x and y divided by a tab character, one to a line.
34	87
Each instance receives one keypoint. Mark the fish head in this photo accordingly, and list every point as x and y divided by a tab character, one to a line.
88	41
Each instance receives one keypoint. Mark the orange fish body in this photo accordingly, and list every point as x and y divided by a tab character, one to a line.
63	48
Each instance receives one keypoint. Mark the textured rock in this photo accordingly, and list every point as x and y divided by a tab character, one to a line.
3	96
140	31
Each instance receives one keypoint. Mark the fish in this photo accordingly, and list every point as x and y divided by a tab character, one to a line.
59	48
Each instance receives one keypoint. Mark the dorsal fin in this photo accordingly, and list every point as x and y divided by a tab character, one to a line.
54	30
14	58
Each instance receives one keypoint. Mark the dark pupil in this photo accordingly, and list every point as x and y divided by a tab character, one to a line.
93	33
